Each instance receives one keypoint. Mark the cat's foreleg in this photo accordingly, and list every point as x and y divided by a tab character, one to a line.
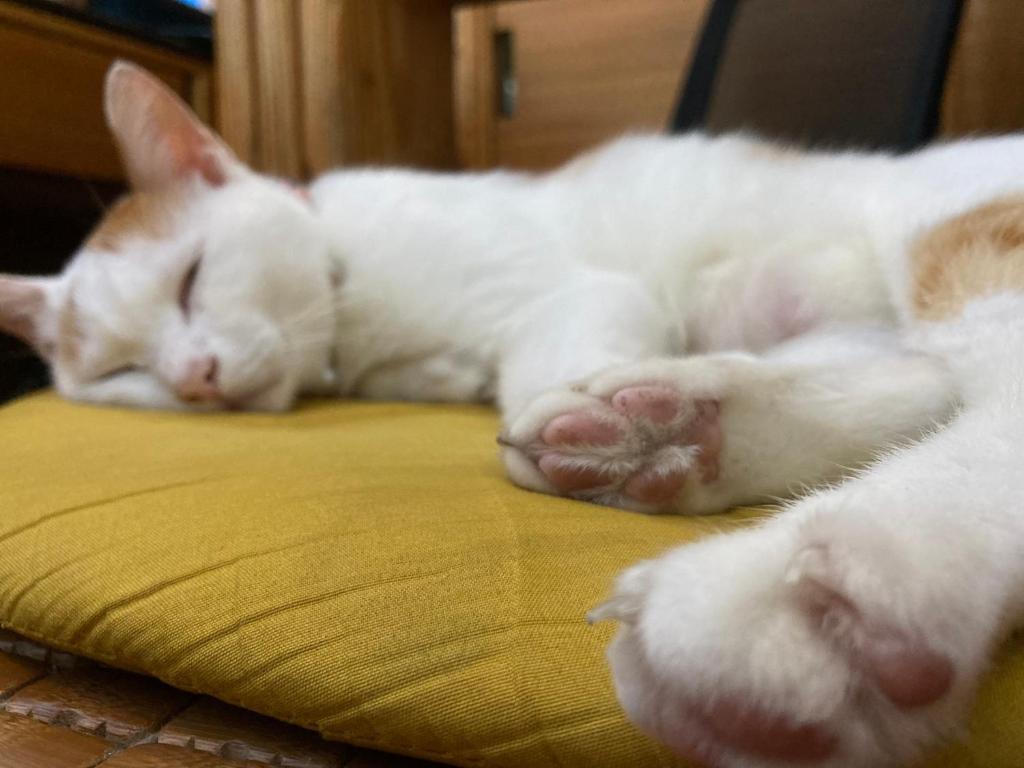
593	321
704	433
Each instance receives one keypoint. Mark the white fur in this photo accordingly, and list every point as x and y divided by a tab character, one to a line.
773	282
930	540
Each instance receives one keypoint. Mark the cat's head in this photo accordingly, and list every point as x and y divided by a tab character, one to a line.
208	286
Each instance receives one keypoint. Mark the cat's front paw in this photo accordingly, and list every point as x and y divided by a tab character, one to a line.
766	648
630	438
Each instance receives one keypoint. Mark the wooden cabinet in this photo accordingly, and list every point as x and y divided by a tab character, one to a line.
985	88
51	86
578	72
309	85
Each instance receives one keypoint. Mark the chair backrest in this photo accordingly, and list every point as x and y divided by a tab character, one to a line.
835	73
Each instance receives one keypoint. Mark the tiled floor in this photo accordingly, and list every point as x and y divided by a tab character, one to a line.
59	711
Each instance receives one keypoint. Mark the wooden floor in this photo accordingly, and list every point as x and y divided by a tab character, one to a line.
61	711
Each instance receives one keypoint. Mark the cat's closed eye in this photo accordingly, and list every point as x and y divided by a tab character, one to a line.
120	371
187	285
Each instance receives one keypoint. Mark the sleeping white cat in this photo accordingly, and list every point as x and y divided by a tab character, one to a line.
667	324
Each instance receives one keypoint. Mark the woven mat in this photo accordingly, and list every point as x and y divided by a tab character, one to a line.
61	711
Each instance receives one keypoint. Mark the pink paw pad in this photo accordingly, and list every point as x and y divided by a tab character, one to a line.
653	487
643	444
765	735
908	672
909	675
580	429
659	405
567	477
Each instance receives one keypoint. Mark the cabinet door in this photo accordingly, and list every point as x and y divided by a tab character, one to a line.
538	81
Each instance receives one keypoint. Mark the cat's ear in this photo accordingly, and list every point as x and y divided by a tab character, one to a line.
160	138
26	310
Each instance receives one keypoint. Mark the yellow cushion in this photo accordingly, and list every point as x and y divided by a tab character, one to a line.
360	569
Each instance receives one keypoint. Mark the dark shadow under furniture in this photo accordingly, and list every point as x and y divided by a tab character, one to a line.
43	220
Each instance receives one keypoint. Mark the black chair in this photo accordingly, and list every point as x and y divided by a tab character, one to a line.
830	73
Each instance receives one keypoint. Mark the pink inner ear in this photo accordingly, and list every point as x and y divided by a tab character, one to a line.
160	139
211	170
21	305
192	155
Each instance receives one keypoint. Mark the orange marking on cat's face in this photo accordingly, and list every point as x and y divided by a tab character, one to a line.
140	215
975	254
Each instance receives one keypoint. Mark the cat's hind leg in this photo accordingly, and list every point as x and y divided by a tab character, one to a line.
852	630
701	434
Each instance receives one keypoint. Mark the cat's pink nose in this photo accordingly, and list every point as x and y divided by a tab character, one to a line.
199	383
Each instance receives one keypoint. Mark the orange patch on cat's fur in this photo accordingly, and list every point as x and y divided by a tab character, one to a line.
975	254
145	215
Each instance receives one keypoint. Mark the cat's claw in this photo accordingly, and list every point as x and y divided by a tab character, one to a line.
636	445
